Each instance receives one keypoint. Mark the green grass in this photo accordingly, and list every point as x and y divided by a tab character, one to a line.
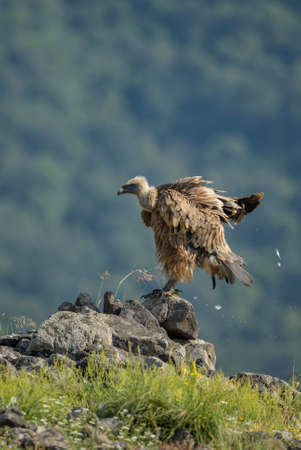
151	404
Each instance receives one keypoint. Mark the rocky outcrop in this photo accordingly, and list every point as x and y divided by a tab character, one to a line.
163	329
175	314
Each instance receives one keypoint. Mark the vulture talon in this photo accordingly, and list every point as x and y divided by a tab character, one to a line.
154	292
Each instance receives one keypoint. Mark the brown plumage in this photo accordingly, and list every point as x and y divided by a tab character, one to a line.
187	218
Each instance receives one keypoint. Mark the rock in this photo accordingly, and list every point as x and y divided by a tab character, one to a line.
7	367
85	301
8	354
67	306
131	336
68	332
261	381
134	310
13	418
52	439
294	444
78	330
111	305
152	361
20	361
97	436
83	304
176	356
109	424
12	340
174	313
57	359
289	440
24	438
109	357
260	439
183	438
200	351
77	411
22	345
28	436
29	363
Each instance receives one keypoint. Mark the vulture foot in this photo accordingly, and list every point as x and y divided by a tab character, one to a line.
171	291
155	292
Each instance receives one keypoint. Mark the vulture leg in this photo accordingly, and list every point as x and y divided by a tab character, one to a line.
170	286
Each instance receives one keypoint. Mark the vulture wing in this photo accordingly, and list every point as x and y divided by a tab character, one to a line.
188	228
225	207
196	190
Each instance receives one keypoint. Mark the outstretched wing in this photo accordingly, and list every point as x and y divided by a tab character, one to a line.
188	222
184	185
196	229
203	196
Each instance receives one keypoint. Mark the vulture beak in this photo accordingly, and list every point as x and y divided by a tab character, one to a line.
128	189
120	191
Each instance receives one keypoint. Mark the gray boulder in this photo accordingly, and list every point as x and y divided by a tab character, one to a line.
182	438
200	351
132	309
83	304
288	439
14	339
130	335
69	332
13	417
175	314
109	424
9	354
261	439
48	439
52	439
262	382
152	361
6	366
11	357
29	363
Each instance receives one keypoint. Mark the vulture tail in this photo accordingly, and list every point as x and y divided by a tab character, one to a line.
240	273
247	204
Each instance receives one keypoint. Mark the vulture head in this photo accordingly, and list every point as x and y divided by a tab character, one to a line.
146	195
137	186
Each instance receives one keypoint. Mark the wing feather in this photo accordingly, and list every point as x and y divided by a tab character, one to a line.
194	231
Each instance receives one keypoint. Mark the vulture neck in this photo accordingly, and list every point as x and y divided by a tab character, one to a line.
148	198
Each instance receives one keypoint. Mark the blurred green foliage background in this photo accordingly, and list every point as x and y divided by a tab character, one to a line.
95	92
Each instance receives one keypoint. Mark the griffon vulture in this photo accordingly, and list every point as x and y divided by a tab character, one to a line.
187	217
